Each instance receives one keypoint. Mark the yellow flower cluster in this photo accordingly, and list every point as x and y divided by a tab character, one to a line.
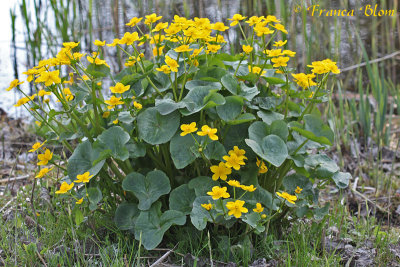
205	130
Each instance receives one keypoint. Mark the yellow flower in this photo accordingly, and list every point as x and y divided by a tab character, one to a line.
43	172
233	161
188	128
83	178
280	43
114	43
45	158
288	197
259	208
70	45
220	171
119	88
280	61
114	101
260	29
256	70
272	19
99	43
207	206
324	66
158	52
236	18
298	190
249	188
211	132
219	26
288	53
115	121
254	20
280	27
106	114
263	216
49	77
151	19
218	192
164	68
160	26
129	38
213	48
38	123
133	21
234	183
172	64
64	188
262	167
36	146
43	93
137	105
97	61
238	152
304	80
183	48
79	201
236	208
247	49
14	84
22	101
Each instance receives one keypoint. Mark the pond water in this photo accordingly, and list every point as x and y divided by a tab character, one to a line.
109	17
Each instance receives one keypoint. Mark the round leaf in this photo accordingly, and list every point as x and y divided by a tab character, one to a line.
147	189
155	128
125	215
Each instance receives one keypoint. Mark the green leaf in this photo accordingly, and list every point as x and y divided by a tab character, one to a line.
125	117
98	70
166	106
125	215
320	213
248	92
115	138
94	196
314	124
78	217
199	215
231	109
270	116
311	136
272	149
253	219
215	150
82	160
230	83
280	129
181	199
213	74
136	150
295	180
341	179
151	225
258	130
198	99
268	103
322	165
155	128
243	118
196	84
147	189
202	185
184	150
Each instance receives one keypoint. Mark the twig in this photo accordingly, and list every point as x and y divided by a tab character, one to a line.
41	259
371	61
161	259
367	199
7	180
8	203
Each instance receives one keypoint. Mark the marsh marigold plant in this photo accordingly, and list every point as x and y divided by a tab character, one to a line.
188	133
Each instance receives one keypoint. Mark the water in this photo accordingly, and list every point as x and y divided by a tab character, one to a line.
109	22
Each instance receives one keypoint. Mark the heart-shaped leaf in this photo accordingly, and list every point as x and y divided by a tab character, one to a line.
147	188
115	138
272	149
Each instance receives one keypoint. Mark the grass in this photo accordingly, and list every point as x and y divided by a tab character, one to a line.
60	241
